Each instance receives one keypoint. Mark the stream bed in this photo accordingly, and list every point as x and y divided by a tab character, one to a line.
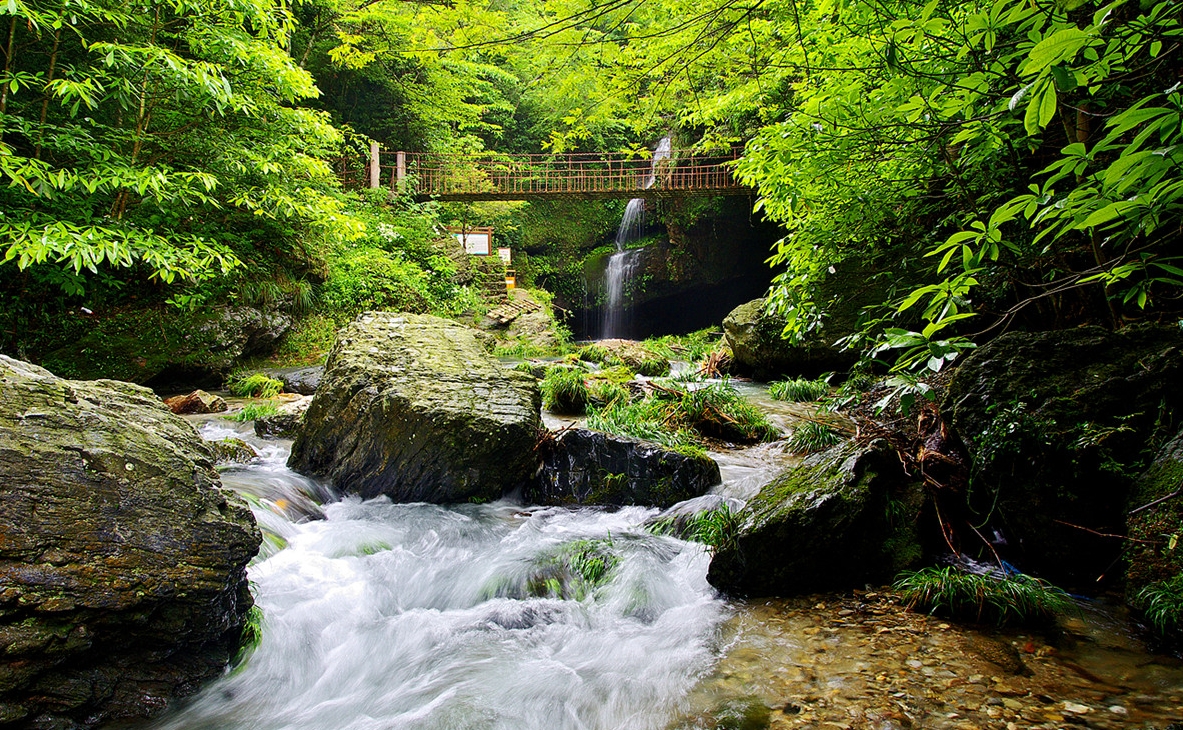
381	616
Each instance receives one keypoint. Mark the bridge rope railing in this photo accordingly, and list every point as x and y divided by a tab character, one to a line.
508	176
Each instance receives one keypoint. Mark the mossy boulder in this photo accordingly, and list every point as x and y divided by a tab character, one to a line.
1058	425
843	518
122	561
165	346
412	407
582	467
628	353
759	349
233	451
1155	522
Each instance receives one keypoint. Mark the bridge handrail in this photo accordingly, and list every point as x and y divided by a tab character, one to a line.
503	174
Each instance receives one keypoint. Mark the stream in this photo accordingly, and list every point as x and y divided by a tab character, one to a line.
381	616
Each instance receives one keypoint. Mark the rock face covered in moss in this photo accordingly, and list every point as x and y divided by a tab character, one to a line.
411	406
1159	515
842	518
122	562
759	350
583	467
1058	424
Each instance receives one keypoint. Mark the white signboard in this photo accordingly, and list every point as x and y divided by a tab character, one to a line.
504	254
474	243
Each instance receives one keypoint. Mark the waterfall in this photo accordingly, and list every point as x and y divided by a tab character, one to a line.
623	264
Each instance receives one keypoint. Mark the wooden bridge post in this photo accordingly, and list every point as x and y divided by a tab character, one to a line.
375	166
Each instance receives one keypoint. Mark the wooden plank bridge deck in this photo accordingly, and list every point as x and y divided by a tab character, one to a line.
586	176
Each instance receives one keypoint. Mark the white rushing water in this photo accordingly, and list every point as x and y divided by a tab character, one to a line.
623	265
384	615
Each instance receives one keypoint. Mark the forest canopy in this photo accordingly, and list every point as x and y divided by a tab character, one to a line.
984	163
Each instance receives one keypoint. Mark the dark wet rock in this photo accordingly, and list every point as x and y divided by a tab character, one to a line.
582	467
1155	512
843	518
122	562
759	350
1057	425
232	451
411	406
196	402
286	423
299	380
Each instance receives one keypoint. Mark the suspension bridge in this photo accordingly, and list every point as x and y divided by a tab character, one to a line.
574	176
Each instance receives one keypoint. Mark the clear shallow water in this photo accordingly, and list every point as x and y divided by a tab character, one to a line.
387	615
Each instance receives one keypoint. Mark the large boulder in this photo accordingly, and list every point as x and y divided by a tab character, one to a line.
843	518
302	380
411	407
122	562
168	348
1155	518
582	467
196	402
758	348
1057	425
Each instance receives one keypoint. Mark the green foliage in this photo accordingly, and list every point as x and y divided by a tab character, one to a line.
719	411
1018	599
607	392
253	412
647	419
716	528
563	391
573	571
251	637
799	390
680	419
155	137
1161	604
811	436
254	385
691	348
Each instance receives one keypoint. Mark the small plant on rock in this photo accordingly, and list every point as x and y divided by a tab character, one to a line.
253	412
810	437
1009	600
563	391
254	385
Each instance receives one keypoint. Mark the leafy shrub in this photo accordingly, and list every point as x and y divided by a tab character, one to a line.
563	391
953	593
253	412
652	367
799	390
811	436
254	385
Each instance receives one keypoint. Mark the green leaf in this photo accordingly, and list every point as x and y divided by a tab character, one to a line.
1059	47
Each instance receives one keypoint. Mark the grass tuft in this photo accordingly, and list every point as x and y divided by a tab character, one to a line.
253	412
810	437
799	391
717	528
1161	604
254	385
563	391
953	593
